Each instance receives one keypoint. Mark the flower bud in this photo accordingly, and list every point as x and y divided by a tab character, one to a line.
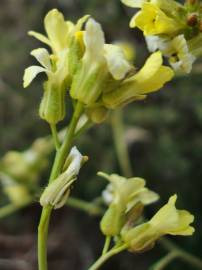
113	220
57	192
97	114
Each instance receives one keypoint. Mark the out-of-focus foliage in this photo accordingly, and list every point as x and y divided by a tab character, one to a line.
164	135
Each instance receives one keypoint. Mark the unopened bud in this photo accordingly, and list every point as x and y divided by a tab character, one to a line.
192	20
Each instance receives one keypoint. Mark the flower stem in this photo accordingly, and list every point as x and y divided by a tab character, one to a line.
56	169
183	254
107	256
87	207
55	136
163	262
106	245
120	144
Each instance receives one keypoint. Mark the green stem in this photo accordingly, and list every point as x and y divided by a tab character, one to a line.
106	245
107	256
120	144
87	207
56	169
56	139
163	262
184	255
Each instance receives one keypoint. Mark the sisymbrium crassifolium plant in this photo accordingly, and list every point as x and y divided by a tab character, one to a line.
99	78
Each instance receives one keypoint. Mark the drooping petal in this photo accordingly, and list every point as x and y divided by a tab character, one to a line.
40	37
57	29
42	57
116	61
30	73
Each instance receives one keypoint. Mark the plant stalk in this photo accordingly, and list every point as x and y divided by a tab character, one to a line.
107	256
59	161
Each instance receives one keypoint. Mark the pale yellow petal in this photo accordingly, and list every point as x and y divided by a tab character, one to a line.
40	37
42	57
116	61
133	3
57	29
30	73
94	40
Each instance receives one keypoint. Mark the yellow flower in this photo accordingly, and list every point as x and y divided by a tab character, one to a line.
101	63
64	38
168	220
59	32
152	20
123	196
149	79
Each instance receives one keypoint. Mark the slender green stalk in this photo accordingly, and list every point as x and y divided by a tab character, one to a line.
120	144
106	245
56	169
11	208
55	136
107	256
184	255
163	262
87	207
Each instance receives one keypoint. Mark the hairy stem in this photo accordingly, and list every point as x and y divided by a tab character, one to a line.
56	170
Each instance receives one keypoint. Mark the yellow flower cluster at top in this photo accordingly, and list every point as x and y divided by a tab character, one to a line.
94	73
173	28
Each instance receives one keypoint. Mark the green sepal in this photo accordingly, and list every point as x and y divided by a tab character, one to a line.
52	107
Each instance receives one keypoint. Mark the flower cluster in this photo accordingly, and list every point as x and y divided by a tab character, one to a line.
126	199
173	28
98	75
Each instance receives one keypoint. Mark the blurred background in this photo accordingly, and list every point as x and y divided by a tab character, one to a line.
163	134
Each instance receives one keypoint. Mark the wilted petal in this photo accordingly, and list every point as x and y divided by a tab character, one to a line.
116	61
